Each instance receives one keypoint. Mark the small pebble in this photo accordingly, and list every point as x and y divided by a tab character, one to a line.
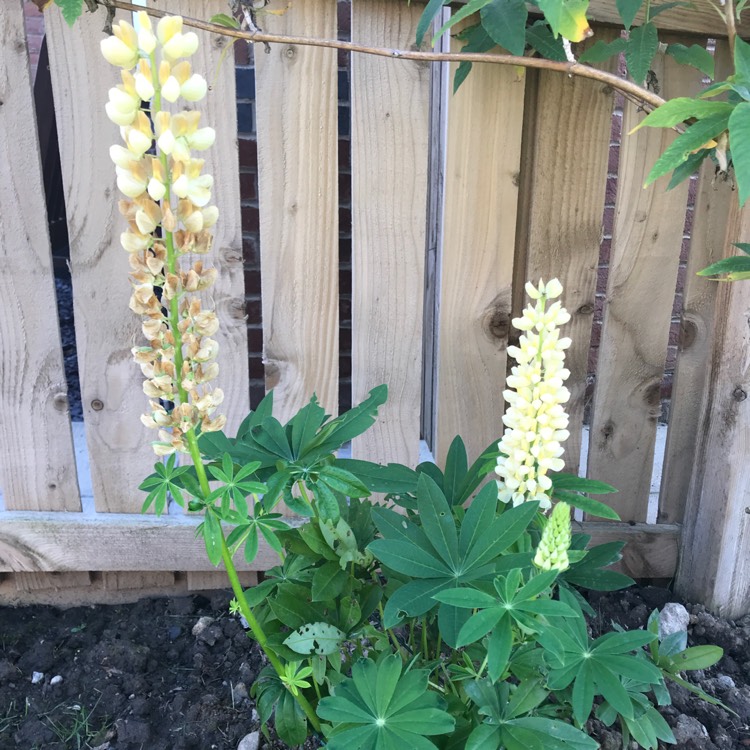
725	682
674	618
249	741
56	680
201	625
36	677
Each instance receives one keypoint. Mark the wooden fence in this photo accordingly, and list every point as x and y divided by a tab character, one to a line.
456	201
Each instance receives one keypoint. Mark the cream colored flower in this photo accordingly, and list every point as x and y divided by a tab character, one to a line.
552	552
536	422
122	48
191	184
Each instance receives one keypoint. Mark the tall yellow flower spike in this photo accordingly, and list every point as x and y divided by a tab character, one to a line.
179	360
536	422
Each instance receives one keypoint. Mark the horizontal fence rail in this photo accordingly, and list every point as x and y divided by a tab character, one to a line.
456	201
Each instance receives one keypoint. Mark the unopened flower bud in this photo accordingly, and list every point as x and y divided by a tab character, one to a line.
552	552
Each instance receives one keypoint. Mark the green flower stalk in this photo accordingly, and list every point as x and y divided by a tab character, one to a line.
536	422
552	552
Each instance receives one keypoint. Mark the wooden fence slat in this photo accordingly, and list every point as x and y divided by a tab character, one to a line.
715	546
298	184
390	142
646	244
111	384
37	463
485	125
710	216
44	581
71	542
227	295
217	579
49	542
565	200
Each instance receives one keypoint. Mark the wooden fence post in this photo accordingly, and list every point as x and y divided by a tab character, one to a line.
714	566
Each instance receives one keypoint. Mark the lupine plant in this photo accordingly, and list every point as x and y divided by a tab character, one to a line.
448	617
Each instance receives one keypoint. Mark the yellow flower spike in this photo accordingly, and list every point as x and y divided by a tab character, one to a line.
143	81
122	48
133	242
168	27
536	422
210	216
120	156
157	188
133	180
146	38
192	184
148	216
138	136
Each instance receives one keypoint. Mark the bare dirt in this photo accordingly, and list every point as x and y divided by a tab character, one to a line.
135	677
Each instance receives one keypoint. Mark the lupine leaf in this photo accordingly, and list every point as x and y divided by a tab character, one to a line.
505	22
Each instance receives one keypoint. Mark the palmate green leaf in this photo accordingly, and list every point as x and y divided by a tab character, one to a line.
437	521
586	504
567	18
290	720
479	516
414	598
739	135
694	138
628	9
328	581
456	468
643	44
391	478
379	707
539	37
601	51
305	425
212	535
315	638
694	55
484	737
328	505
466	10
343	481
271	436
505	22
696	657
71	10
407	558
680	109
499	646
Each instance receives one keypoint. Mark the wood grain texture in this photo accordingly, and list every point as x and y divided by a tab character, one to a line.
646	244
43	542
700	18
106	330
206	580
55	581
52	542
567	185
485	126
707	245
716	537
227	296
390	148
37	464
298	184
124	581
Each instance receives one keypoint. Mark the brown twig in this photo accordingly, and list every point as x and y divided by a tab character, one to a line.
641	96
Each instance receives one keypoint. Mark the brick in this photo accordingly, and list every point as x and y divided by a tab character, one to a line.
344	13
345	189
674	333
241	53
246	118
251	251
692	191
345	163
245	82
596	335
256	368
344	120
345	366
248	152
257	393
345	311
602	275
344	86
610	194
253	310
343	59
255	340
345	219
31	11
345	281
345	339
248	186
608	220
345	395
613	165
605	250
250	219
345	251
252	282
685	250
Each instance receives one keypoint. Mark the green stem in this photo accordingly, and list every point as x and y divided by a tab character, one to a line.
425	652
390	633
306	497
258	632
439	645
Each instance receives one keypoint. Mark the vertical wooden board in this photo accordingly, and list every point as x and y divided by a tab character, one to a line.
37	463
298	185
707	245
106	330
485	125
227	296
568	181
390	145
646	244
713	566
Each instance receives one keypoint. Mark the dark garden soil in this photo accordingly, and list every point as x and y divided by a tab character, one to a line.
136	677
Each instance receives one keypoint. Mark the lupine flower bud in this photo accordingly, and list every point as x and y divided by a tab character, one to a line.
120	53
552	552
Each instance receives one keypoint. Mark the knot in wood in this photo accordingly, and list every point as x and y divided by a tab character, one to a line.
739	394
60	401
688	334
497	324
586	309
97	405
290	53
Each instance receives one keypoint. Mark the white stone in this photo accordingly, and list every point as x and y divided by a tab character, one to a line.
725	682
201	625
56	680
36	677
674	618
250	741
688	728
